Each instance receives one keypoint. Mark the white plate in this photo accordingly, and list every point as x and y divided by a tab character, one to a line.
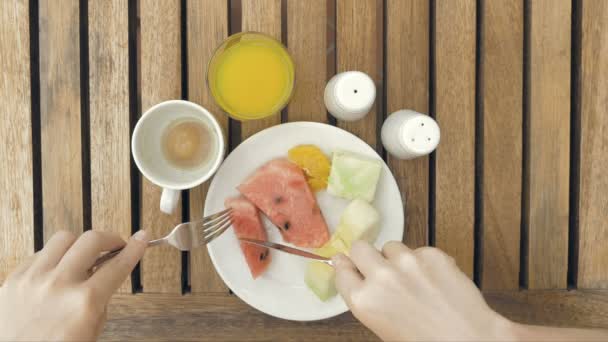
281	291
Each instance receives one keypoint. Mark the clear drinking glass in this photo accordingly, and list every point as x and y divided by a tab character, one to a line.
251	76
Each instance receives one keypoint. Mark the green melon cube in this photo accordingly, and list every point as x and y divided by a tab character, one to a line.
353	176
359	221
320	277
332	247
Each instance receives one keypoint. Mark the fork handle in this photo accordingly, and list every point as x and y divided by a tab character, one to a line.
102	259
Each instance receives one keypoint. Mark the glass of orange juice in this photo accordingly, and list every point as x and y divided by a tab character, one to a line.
251	76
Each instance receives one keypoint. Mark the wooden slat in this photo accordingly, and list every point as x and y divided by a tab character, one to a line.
407	82
455	113
554	308
16	206
160	81
60	117
207	28
307	44
261	16
548	143
502	74
593	204
109	118
216	317
359	31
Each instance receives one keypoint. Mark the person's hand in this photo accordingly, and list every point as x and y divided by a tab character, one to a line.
54	296
415	295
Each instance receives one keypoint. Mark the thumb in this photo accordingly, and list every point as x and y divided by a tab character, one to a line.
348	277
114	272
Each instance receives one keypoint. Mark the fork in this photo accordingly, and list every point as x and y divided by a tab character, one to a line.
187	235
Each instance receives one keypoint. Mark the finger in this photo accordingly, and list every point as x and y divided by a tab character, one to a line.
435	261
393	250
400	256
53	251
348	277
111	275
366	258
84	252
23	267
433	255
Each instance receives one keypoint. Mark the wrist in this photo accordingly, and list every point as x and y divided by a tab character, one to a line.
506	330
523	332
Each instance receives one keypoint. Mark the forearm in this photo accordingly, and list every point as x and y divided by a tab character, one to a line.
539	333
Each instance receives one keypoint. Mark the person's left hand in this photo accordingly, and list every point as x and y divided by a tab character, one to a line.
54	296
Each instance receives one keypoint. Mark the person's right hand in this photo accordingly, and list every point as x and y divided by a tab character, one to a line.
415	295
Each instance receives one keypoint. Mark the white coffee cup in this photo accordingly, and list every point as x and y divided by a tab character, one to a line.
147	151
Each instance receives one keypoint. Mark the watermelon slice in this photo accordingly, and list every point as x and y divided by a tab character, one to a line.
279	189
247	224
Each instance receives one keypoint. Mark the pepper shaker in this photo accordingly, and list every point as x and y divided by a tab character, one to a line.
407	134
350	95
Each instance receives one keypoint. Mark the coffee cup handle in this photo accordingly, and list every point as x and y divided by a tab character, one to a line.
169	200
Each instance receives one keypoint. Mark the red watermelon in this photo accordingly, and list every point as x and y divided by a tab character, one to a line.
279	189
247	224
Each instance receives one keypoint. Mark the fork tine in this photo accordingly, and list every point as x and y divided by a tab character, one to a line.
210	237
211	221
210	227
214	217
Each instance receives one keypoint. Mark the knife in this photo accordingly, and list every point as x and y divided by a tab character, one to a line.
289	250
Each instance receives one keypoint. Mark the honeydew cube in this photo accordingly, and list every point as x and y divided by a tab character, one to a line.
320	277
332	247
353	176
359	221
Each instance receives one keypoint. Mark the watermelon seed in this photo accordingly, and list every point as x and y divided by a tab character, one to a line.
286	226
278	199
263	255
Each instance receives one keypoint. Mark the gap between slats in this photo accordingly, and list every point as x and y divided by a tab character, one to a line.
381	98
432	113
523	245
85	134
134	109
332	61
284	41
36	134
235	9
234	26
575	143
185	193
382	107
479	134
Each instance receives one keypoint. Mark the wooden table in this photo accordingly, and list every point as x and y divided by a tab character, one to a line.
516	191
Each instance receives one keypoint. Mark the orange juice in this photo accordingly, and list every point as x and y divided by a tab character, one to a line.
251	76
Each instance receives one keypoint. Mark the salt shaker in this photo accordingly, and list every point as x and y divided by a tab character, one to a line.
350	95
407	134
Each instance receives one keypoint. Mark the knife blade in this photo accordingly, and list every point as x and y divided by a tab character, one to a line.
287	249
